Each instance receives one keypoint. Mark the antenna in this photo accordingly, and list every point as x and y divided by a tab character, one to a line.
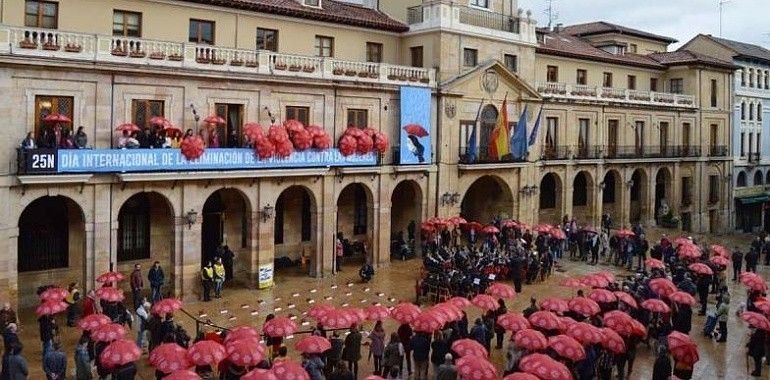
552	13
721	6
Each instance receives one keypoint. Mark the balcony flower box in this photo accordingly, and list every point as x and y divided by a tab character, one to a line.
295	68
157	55
363	74
73	48
280	66
201	59
27	44
137	54
308	69
51	46
350	73
374	75
119	52
218	61
338	71
251	64
236	62
425	80
175	57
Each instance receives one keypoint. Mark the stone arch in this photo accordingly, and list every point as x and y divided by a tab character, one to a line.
741	179
295	226
550	198
663	192
355	222
758	177
226	221
405	216
486	198
611	194
583	197
638	211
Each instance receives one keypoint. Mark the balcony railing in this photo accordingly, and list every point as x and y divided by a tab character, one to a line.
489	20
482	156
46	43
647	151
753	158
414	15
718	151
551	153
605	94
587	152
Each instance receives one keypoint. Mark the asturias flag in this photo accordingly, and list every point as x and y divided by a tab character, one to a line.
533	135
498	141
519	138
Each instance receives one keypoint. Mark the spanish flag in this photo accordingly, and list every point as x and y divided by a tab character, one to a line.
498	141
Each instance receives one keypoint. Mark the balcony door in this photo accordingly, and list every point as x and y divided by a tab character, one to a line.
230	134
714	135
663	138
583	135
612	138
488	122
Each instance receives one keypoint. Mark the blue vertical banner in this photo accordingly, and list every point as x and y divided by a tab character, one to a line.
415	126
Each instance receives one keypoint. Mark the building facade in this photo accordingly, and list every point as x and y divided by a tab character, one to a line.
752	143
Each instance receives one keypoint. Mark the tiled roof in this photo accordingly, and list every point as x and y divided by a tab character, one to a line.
331	11
603	27
743	49
686	57
574	47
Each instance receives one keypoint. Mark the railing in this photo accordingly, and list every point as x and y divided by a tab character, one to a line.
414	15
651	151
489	20
753	157
111	49
587	152
606	94
482	156
717	151
560	152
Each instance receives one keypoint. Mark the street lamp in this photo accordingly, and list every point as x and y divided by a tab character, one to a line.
191	217
267	212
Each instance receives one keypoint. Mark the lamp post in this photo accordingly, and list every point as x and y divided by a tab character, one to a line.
191	217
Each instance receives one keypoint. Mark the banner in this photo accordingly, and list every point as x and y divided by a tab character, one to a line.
415	126
265	279
155	160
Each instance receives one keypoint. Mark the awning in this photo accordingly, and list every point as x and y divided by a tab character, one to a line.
754	199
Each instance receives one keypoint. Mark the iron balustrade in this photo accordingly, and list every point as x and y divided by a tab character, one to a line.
559	152
414	15
483	156
651	151
718	151
489	20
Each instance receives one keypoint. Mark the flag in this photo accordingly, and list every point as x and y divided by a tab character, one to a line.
472	152
519	137
536	128
498	144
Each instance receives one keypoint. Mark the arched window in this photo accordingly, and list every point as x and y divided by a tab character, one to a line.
743	77
751	111
743	110
758	178
751	77
767	79
741	179
759	111
548	192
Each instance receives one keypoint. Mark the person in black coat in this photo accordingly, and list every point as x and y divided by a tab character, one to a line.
751	260
703	292
737	263
683	319
47	327
124	372
756	349
662	367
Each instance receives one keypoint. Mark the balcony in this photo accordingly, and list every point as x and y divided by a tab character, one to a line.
92	48
554	153
577	92
482	157
471	20
718	151
753	158
668	151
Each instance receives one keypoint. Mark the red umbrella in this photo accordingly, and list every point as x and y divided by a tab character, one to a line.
57	118
460	302
754	281
108	333
662	286
501	290
572	283
585	333
405	312
316	311
544	367
556	305
624	233
110	294
214	119
656	306
543	228
469	347
701	268
490	230
682	240
416	130
172	130
289	370
756	320
618	321
476	226
448	311
241	333
54	294
521	376
377	313
557	233
159	121
584	306
509	224
93	321
166	306
545	320
638	329
313	345
120	352
185	375
206	352
513	322
567	347
566	323
626	299
602	296
428	322
427	227
689	251
51	308
595	281
109	277
259	374
531	340
720	260
682	348
169	358
458	220
720	250
654	263
476	368
245	353
682	298
612	341
279	327
485	302
128	127
356	314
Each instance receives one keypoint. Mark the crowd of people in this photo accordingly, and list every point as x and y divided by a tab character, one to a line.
56	137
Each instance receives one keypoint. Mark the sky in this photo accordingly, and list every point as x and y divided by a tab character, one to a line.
742	20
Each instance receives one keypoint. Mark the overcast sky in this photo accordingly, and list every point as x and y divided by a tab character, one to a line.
743	20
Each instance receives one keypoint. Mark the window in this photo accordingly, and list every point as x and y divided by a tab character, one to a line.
663	136
743	110
470	57
713	188
759	111
128	24
360	211
653	84
143	110
201	32
767	79
480	3
639	136
552	74
751	77
676	86
759	78
301	114
632	48
686	135
743	77
714	134
312	3
632	82
583	125
46	105
373	52
230	134
743	144
759	143
714	92
324	46
358	118
751	111
582	77
686	191
415	53
267	39
134	229
607	80
41	14
758	178
741	181
511	62
307	220
551	133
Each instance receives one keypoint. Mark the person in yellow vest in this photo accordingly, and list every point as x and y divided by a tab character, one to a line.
219	277
207	278
72	300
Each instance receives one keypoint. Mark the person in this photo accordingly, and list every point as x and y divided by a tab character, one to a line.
66	141
157	279
137	284
334	354
90	306
604	364
751	260
420	354
228	257
377	346
143	316
438	349
55	363
214	138
72	300
366	272
737	263
125	372
661	370
7	316
447	371
82	360
351	352
723	312
393	355
703	292
405	333
10	337
207	278
47	326
341	372
339	252
29	141
16	366
532	308
756	349
499	330
682	320
313	365
219	277
81	139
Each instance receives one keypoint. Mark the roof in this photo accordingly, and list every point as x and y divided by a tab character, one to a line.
566	45
688	57
603	27
742	49
331	11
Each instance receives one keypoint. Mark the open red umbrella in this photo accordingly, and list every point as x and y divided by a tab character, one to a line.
120	352
530	340
613	341
244	353
476	226
721	261
485	302
490	230
159	121
556	305
241	333
543	228
458	220
279	327
316	311
214	119
656	306
169	358
428	322
476	368
585	333
166	306
624	233
595	281
51	308
356	314
602	296
654	263
683	348
682	298
701	268
521	376
54	294
513	322
313	345
377	313
509	224
259	374
466	347
110	294
109	277
416	130
584	306
206	352
567	347
289	370
756	320
545	320
544	367
90	322
108	332
638	329
618	321
662	286
626	299
57	118
689	251
171	130
405	312
753	281
185	374
572	283
720	250
557	233
128	127
448	311
682	240
566	323
460	302
501	290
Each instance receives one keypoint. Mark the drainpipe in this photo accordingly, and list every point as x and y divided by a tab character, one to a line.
112	122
